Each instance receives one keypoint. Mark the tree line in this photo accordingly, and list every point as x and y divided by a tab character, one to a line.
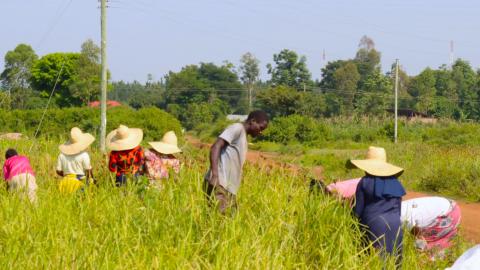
204	92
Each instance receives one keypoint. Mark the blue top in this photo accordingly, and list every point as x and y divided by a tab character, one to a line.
377	196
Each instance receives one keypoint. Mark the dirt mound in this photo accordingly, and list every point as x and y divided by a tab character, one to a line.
11	136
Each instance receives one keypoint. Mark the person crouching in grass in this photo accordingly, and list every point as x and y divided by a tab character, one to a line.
227	156
73	163
160	160
434	222
127	156
378	200
19	174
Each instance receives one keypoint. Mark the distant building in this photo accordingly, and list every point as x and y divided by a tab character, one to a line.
110	103
412	115
237	117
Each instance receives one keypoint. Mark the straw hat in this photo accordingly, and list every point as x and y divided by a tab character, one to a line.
124	138
168	144
376	163
78	142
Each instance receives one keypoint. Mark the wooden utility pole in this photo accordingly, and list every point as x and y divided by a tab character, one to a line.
396	101
103	84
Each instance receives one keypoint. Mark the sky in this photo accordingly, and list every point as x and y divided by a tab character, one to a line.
158	36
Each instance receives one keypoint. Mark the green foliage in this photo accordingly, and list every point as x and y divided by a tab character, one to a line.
15	78
296	128
346	79
18	62
195	84
197	115
249	69
138	95
289	70
367	59
279	101
57	122
47	69
85	85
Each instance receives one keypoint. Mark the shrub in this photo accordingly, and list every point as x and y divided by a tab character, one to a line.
57	122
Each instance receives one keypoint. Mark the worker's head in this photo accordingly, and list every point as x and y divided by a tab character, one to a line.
257	121
10	153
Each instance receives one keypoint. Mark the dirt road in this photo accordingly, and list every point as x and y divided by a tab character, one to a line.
470	223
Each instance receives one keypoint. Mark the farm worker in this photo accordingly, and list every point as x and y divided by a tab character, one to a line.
433	221
160	160
227	156
378	201
73	162
344	189
127	156
468	261
19	174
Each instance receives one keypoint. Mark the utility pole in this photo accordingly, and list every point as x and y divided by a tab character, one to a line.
396	101
103	84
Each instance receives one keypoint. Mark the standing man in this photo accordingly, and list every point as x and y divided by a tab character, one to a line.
227	156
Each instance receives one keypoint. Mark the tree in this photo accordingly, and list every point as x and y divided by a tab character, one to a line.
289	70
367	58
249	74
86	86
422	88
45	72
346	79
17	67
204	83
328	81
16	76
464	78
279	101
446	103
376	94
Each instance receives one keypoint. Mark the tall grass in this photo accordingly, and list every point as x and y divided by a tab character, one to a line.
279	225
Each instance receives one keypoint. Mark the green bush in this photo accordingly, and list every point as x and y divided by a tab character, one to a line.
57	122
296	128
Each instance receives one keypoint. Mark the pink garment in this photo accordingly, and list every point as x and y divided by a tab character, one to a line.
345	188
158	165
16	165
440	233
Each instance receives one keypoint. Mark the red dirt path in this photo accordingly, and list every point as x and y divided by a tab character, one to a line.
470	223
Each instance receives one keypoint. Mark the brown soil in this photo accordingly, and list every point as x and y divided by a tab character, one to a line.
470	223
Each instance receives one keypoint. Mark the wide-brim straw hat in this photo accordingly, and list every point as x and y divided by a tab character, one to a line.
124	138
376	163
78	142
168	144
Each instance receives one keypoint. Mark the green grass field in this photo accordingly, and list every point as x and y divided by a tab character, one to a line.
279	225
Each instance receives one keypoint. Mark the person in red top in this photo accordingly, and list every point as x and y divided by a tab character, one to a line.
127	156
19	174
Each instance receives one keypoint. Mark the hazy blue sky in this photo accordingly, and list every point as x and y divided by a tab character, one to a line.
150	36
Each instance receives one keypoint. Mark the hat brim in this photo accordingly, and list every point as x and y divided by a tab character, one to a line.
377	167
135	136
165	148
69	148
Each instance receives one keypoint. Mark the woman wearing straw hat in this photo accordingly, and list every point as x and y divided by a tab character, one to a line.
378	201
73	163
126	157
160	159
